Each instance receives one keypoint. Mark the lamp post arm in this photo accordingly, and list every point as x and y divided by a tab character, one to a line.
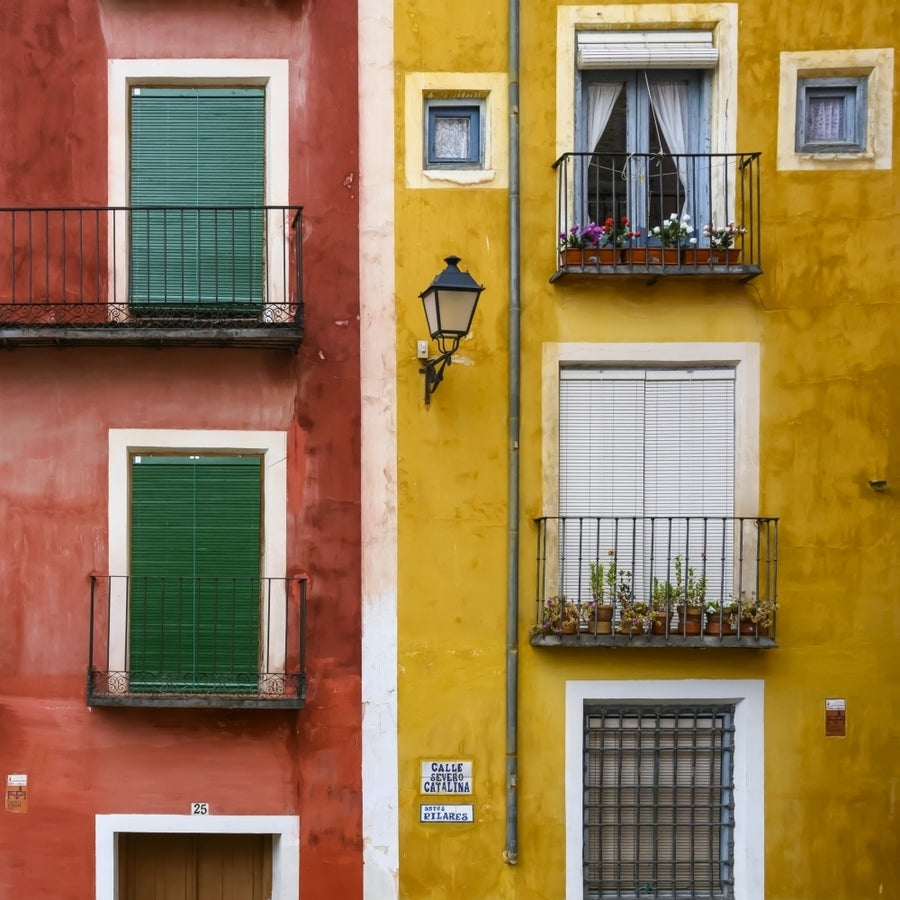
433	370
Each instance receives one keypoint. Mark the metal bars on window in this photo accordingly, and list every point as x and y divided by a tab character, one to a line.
658	802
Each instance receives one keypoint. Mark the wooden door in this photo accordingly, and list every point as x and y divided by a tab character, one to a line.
195	866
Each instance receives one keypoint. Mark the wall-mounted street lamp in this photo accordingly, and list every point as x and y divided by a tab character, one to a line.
449	302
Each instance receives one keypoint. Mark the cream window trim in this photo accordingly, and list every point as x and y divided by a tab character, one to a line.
877	65
743	356
270	74
489	88
721	19
125	442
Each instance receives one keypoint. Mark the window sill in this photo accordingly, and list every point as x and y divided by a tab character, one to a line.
460	176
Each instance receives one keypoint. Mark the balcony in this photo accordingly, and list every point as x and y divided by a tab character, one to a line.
192	276
652	574
170	641
712	189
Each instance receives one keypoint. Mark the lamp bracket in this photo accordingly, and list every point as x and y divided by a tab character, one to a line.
433	370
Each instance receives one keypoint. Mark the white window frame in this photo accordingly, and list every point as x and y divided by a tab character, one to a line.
749	764
271	445
270	74
743	356
285	832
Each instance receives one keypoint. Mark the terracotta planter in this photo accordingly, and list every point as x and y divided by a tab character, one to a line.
718	628
660	624
748	628
690	620
568	628
705	257
601	622
651	256
589	256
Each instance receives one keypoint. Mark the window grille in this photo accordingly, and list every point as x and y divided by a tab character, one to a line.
658	802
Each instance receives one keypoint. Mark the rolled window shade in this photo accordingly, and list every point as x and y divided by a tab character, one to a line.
646	50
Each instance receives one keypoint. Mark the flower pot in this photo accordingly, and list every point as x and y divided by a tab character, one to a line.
703	257
748	628
690	620
568	628
695	256
589	256
601	621
660	623
729	257
651	256
717	627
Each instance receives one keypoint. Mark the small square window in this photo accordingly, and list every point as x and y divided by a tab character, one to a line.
453	138
831	115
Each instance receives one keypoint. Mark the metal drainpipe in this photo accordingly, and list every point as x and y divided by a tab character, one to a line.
511	853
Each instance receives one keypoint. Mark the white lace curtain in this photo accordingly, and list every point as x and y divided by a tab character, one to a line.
670	103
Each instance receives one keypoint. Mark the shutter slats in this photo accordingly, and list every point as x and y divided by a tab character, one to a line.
645	443
195	566
197	147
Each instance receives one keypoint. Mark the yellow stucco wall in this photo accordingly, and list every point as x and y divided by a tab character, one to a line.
825	315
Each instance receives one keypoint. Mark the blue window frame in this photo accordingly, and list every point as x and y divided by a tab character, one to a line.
831	115
633	122
454	135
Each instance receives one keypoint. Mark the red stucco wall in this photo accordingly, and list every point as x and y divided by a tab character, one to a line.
56	406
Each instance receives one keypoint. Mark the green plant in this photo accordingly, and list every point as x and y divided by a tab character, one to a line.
603	580
662	595
689	588
557	613
674	232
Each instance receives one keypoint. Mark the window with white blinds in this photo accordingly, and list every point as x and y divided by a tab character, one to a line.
646	442
658	801
656	444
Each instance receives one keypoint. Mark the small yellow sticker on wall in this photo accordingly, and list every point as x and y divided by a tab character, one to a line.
17	793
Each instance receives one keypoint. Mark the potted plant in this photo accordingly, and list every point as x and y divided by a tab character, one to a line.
721	243
617	235
690	595
558	616
721	616
756	614
603	592
635	618
580	245
662	605
674	233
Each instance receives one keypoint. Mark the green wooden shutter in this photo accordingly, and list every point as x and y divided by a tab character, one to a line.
190	148
195	566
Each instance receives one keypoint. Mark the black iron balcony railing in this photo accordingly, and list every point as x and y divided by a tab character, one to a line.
706	581
161	640
637	192
151	274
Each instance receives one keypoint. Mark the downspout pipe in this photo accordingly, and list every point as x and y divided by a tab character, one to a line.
511	852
